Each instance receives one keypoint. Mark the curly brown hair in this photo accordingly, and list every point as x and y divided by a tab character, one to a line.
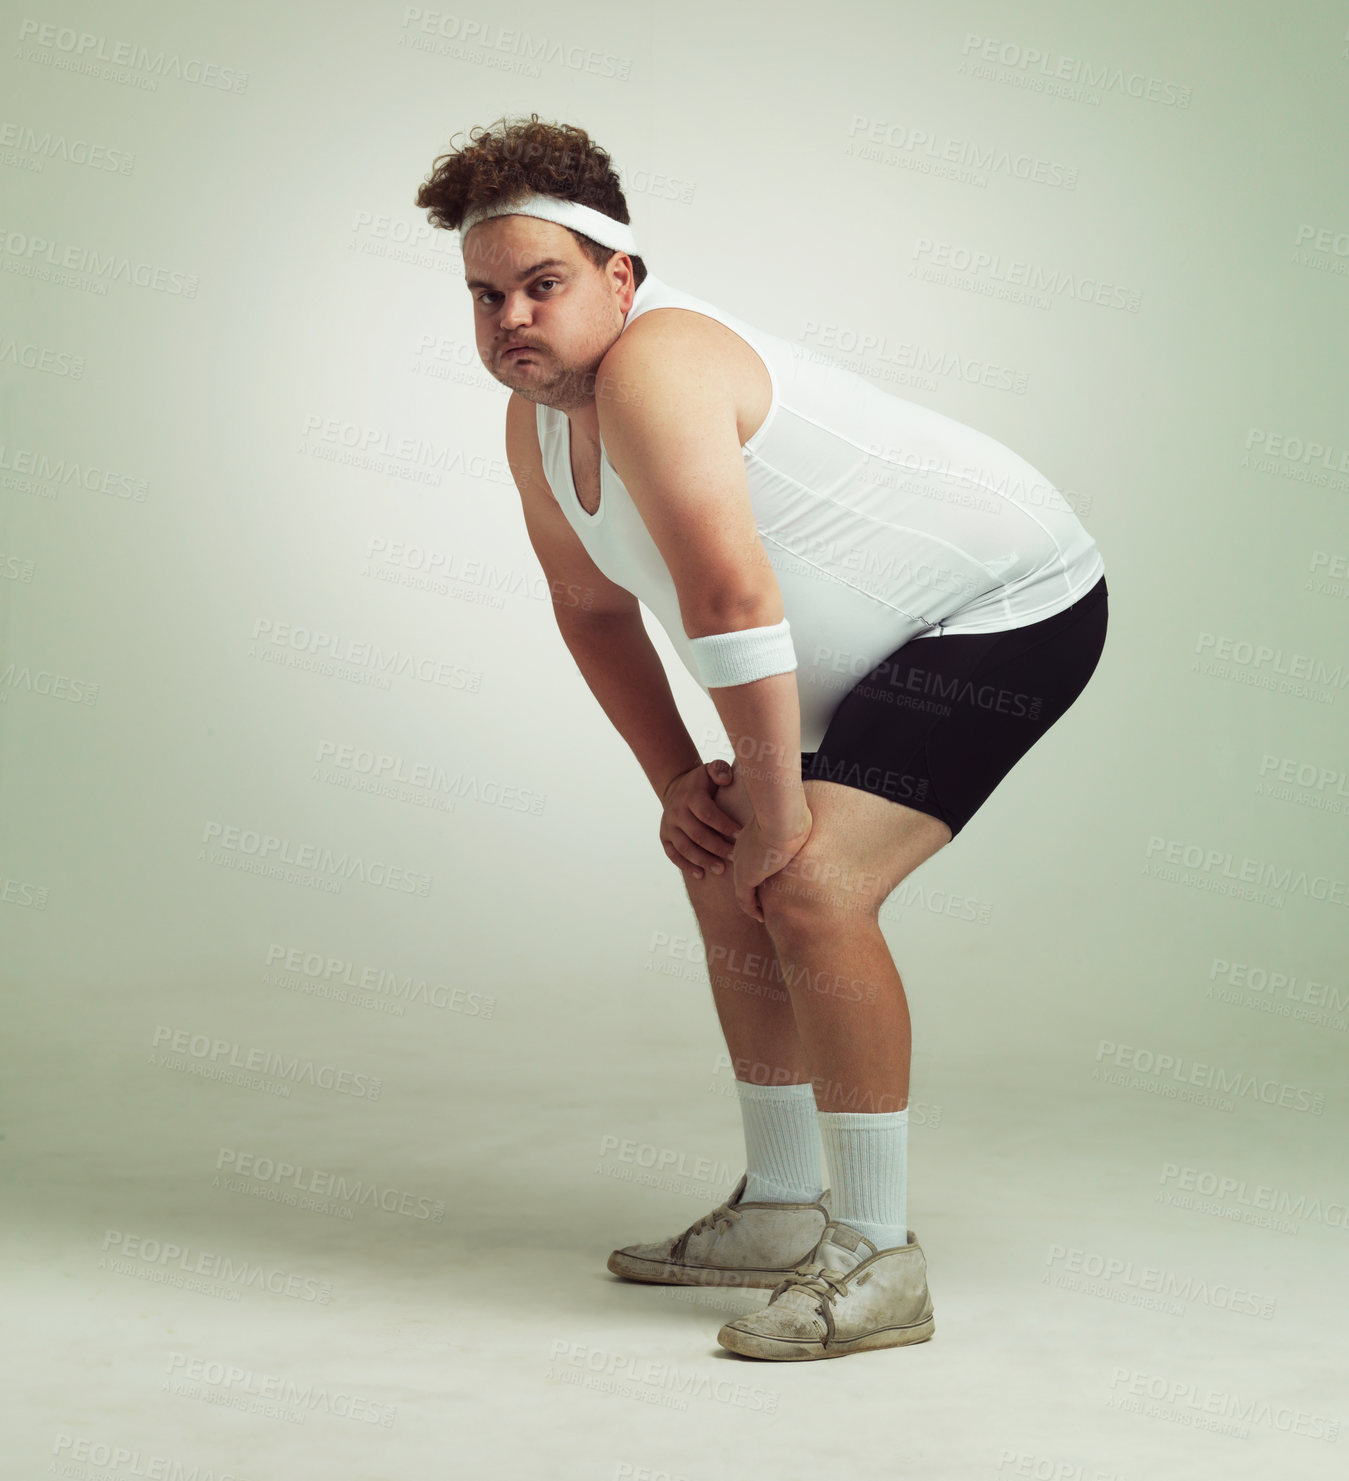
527	156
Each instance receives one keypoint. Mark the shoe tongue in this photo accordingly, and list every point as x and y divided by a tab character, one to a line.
842	1248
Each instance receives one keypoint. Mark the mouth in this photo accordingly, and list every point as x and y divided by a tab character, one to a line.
517	350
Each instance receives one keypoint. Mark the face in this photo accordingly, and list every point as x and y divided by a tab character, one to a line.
531	284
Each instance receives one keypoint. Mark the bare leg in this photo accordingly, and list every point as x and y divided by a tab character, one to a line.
753	1000
821	913
851	1009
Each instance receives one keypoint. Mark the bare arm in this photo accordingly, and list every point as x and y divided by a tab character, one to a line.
677	449
600	621
620	664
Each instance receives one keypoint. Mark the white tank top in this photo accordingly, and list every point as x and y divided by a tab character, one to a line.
884	521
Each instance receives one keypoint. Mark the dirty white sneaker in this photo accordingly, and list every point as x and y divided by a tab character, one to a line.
848	1297
737	1244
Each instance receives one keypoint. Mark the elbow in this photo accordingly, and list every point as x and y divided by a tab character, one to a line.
732	612
733	616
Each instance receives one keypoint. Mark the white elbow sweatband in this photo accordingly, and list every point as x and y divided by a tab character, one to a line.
740	657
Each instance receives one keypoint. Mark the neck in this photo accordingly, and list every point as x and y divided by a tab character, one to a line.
585	423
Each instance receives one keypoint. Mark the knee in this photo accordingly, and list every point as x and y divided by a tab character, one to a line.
811	897
715	893
795	911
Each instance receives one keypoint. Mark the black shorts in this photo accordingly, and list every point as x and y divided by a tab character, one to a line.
941	721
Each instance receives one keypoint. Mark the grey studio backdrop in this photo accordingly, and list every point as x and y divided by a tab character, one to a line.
355	1011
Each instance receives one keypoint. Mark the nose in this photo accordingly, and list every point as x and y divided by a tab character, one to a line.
514	313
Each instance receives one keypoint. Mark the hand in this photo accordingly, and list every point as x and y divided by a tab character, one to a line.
758	856
694	831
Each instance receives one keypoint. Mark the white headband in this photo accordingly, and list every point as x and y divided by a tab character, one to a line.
591	223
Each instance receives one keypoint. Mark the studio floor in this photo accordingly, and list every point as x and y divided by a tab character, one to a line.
211	1277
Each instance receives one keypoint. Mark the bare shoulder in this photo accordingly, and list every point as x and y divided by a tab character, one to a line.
521	416
681	352
668	348
522	427
664	331
523	454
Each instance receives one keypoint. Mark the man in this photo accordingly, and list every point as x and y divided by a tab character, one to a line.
887	609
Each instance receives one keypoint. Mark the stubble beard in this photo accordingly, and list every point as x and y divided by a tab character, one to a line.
568	388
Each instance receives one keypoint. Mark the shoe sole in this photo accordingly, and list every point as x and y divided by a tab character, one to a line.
657	1272
752	1345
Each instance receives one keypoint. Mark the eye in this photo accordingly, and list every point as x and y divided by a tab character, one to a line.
492	293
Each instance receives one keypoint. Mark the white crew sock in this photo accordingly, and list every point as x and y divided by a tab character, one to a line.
782	1143
869	1167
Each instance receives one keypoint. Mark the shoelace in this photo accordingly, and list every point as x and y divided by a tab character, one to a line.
718	1216
721	1215
825	1284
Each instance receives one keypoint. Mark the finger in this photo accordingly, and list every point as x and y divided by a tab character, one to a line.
709	838
680	863
711	816
723	822
701	804
696	854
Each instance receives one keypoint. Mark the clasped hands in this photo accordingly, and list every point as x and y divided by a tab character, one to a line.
698	835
